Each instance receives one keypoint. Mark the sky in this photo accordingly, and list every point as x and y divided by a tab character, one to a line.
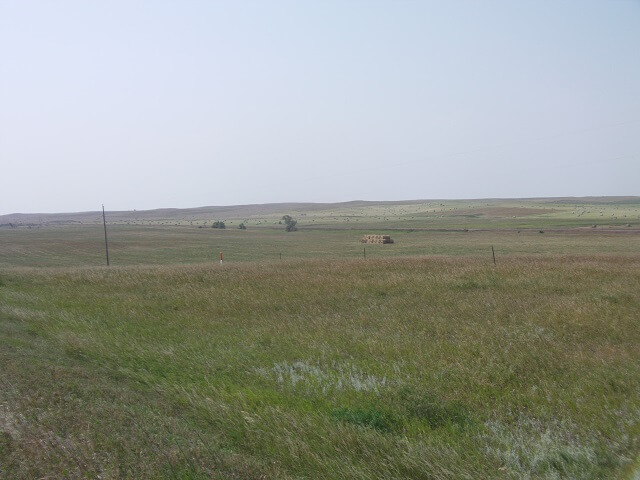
141	105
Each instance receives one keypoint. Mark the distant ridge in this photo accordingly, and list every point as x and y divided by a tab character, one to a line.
269	209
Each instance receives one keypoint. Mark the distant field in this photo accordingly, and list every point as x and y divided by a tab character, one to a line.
133	245
423	360
325	231
490	213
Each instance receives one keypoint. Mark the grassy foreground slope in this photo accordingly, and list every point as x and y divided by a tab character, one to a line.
385	368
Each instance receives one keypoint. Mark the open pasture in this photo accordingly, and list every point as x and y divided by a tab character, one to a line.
460	227
423	360
607	212
397	368
135	245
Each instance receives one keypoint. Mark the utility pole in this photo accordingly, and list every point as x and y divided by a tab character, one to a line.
106	244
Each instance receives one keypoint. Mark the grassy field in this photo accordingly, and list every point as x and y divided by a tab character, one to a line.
140	245
592	226
605	212
423	360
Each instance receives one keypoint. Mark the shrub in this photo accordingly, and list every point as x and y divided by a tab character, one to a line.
218	224
242	226
290	223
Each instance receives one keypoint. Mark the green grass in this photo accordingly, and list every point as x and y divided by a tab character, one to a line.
459	227
384	368
423	360
130	245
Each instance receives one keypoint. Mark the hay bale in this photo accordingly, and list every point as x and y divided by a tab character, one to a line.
376	239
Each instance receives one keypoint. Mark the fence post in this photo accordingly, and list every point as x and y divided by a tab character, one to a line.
106	243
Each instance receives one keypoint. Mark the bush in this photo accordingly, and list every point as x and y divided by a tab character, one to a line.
218	224
290	223
242	226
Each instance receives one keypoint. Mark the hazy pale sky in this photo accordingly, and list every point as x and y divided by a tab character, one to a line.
185	103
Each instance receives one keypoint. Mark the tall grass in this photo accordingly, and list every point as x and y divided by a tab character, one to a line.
420	367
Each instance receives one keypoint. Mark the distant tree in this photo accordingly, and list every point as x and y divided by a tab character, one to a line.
242	226
290	223
218	224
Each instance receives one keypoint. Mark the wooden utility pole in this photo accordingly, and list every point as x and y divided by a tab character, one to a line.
106	243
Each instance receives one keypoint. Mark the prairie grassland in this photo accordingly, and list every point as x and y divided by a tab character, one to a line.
472	214
414	367
330	231
67	246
